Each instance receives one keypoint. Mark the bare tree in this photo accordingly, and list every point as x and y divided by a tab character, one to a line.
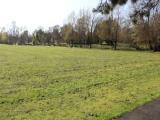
13	33
72	24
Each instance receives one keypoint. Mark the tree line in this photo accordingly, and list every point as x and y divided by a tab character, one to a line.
105	25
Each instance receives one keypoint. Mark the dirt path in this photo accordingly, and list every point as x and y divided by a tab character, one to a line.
150	111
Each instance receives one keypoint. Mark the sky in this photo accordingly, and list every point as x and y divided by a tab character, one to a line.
31	14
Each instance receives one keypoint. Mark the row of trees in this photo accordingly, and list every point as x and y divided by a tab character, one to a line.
82	30
15	35
141	29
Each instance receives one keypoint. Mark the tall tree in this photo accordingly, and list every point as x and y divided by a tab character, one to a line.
71	28
67	34
24	37
55	34
13	33
38	37
141	17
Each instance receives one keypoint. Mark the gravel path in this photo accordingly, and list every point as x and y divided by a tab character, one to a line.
150	111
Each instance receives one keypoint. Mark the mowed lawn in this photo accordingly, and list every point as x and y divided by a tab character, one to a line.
54	83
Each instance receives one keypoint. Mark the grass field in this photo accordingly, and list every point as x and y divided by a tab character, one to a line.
53	83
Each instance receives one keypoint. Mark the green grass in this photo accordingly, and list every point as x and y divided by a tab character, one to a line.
53	83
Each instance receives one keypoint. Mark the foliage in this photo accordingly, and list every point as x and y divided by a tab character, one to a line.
85	29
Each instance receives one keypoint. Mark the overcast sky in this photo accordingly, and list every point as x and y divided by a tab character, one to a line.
34	13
